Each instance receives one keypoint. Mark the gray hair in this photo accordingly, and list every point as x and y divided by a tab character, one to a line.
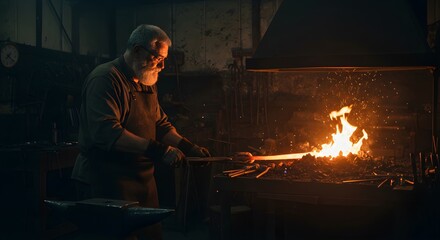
149	36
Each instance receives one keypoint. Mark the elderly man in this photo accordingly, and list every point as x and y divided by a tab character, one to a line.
123	129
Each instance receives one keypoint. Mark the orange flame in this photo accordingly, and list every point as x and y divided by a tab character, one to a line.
341	144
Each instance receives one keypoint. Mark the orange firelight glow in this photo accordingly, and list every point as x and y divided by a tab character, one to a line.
341	144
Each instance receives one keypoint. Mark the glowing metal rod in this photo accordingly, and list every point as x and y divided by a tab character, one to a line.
291	156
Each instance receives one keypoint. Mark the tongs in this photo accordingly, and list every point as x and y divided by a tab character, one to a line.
241	171
247	170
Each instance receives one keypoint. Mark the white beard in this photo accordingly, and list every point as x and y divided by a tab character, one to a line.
148	78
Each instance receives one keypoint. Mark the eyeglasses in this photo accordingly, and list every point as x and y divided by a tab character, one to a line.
155	56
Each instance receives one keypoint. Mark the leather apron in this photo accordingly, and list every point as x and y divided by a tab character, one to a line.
127	176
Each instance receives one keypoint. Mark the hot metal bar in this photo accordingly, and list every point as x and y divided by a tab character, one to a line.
236	173
242	173
292	156
263	172
362	180
408	181
233	170
382	183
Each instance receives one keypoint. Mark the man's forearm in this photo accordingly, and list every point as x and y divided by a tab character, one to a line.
172	138
129	142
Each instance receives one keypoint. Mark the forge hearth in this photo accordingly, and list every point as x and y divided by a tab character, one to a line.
350	169
316	197
284	208
341	180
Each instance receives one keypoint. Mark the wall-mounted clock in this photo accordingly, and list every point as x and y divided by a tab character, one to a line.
9	55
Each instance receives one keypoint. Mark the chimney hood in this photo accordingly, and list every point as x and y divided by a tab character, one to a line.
324	35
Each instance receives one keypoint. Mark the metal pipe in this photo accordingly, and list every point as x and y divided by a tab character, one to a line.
60	22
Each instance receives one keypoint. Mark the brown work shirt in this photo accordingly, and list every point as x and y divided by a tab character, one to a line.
105	105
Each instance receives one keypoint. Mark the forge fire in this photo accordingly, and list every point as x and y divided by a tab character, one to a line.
340	161
341	144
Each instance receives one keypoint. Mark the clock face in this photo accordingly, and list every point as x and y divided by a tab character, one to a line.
9	55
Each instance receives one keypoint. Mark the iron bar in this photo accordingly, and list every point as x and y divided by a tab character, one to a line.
263	172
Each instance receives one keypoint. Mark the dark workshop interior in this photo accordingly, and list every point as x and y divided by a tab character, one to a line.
266	86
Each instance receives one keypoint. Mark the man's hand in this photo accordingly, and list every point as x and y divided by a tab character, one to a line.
197	151
192	150
173	157
168	155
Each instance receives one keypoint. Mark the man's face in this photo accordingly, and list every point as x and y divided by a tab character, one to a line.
149	62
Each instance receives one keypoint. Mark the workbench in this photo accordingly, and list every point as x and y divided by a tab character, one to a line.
275	200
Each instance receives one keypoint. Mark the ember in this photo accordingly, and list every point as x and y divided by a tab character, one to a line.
341	169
